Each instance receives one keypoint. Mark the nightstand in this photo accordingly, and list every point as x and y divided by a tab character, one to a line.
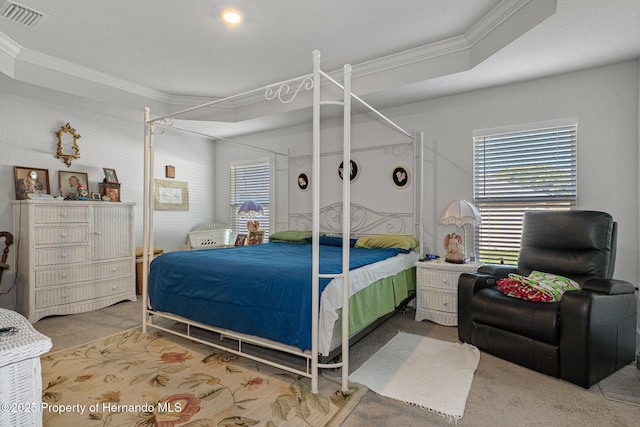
437	290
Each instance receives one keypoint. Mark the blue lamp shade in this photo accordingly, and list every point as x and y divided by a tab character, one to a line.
250	208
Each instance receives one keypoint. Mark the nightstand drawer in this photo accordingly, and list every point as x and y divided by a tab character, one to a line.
439	279
437	300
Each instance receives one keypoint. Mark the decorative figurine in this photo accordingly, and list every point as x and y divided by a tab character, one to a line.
454	246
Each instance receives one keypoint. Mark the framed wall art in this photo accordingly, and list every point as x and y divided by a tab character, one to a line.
400	177
68	183
30	182
171	195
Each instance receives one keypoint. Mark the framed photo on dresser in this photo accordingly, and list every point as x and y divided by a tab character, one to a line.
69	181
30	182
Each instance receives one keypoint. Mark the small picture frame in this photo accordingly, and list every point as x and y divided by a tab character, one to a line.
110	175
109	191
69	181
95	196
256	237
354	170
303	181
30	181
241	240
400	177
170	171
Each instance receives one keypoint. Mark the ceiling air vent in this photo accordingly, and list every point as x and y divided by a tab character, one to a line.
20	14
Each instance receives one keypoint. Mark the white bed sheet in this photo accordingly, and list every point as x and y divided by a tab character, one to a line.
331	299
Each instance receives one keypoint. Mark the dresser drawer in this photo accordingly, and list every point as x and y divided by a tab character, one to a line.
437	300
60	276
53	214
67	234
87	291
61	255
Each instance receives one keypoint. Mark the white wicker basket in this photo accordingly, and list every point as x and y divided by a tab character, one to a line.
206	239
20	373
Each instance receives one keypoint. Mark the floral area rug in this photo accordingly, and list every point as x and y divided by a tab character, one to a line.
136	379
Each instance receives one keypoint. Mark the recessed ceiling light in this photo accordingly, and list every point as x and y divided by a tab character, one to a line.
231	17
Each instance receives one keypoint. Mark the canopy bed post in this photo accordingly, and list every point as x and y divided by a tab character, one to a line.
315	221
346	229
418	143
147	216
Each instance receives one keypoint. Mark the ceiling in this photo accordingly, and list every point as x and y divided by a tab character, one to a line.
154	53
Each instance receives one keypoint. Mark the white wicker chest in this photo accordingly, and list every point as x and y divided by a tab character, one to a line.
437	293
20	372
72	256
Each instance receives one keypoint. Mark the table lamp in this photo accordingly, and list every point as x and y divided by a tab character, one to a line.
249	209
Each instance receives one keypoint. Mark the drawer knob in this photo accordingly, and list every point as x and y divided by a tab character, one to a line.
63	296
63	255
113	288
444	281
63	275
63	214
444	303
114	269
63	235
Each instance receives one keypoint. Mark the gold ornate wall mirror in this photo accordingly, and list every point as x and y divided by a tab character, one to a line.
68	148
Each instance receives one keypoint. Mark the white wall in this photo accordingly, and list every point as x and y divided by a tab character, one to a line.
603	100
107	140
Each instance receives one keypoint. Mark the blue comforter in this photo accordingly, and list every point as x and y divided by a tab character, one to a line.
262	290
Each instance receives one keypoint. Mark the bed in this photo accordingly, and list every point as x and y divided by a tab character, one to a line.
291	296
243	288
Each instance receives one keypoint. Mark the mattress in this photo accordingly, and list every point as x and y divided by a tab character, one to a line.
244	289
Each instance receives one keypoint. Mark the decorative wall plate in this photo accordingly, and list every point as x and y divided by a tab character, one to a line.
353	172
400	176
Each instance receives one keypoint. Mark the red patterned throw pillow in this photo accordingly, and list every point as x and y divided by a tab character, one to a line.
538	286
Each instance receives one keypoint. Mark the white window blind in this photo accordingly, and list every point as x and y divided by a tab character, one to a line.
515	172
250	181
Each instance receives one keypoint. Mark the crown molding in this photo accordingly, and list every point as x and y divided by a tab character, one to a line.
455	54
30	59
8	52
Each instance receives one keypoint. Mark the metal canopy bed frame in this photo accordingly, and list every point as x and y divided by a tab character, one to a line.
278	91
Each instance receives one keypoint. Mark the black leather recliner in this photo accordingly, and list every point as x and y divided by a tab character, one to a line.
586	336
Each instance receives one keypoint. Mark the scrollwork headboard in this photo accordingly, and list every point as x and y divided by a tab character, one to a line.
364	221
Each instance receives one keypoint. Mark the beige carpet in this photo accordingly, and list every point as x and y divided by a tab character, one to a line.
136	379
432	374
622	386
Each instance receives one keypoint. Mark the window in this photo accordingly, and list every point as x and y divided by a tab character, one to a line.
250	181
517	171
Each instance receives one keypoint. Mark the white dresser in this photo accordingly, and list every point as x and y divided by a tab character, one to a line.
72	256
437	290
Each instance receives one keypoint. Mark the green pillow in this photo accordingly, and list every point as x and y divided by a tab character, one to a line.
379	241
290	236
